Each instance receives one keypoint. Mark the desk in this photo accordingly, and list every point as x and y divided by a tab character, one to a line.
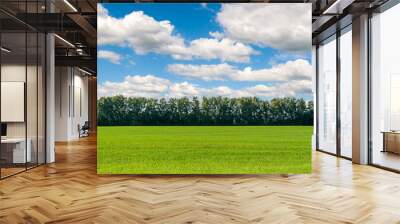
19	155
391	141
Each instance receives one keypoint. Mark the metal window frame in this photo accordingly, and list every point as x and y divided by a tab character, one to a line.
337	34
338	95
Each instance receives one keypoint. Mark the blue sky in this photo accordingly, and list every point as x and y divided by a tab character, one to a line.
175	50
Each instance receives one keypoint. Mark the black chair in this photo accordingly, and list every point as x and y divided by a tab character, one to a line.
84	130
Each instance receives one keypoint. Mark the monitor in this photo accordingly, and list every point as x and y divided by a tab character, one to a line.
3	129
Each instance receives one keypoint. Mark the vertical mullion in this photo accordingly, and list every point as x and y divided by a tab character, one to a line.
45	88
37	89
369	89
26	86
338	80
44	107
316	105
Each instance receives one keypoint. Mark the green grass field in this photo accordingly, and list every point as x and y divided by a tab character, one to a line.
204	149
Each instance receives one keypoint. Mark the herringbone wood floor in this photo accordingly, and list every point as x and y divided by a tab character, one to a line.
69	191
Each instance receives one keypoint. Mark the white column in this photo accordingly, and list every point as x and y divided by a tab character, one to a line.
63	101
50	99
360	90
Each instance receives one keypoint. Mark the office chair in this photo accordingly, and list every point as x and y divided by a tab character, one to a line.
84	130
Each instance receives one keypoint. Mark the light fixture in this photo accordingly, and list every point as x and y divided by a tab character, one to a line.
80	51
5	50
64	40
70	5
84	71
337	7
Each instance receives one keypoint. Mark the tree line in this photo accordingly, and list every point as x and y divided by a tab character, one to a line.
120	110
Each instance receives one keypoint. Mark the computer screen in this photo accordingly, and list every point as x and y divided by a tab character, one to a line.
3	129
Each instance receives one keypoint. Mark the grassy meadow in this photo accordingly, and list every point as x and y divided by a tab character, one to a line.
203	149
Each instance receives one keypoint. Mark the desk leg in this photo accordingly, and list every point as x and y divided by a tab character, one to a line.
384	142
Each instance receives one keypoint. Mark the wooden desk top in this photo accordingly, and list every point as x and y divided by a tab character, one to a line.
13	140
391	132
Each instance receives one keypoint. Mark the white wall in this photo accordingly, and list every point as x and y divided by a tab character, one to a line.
62	82
71	94
13	72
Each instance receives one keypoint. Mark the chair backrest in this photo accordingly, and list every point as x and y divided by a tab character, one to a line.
86	124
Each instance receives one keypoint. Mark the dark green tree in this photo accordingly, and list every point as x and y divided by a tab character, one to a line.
120	110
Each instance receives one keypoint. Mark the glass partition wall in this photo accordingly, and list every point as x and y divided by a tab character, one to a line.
385	89
334	105
22	78
13	89
327	95
345	61
334	70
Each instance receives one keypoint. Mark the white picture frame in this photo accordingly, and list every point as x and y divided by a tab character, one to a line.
12	101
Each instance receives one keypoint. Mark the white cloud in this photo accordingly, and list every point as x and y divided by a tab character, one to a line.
151	86
101	11
183	89
281	26
138	86
291	70
217	35
141	32
144	34
186	89
205	72
299	69
109	55
222	91
223	49
292	88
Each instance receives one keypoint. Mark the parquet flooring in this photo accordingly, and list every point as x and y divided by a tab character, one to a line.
8	171
70	191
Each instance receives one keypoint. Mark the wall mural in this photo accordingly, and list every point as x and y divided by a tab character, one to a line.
204	88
